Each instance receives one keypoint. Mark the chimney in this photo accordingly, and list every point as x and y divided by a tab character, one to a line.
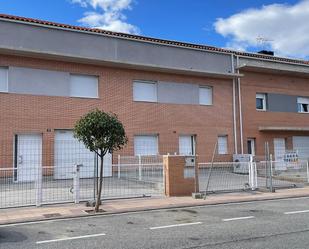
267	52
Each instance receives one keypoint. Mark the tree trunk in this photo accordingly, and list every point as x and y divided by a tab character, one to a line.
97	204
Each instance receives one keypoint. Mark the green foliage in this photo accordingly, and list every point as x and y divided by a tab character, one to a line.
100	132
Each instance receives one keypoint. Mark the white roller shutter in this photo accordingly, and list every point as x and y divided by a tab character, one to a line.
186	145
301	144
146	145
69	152
3	79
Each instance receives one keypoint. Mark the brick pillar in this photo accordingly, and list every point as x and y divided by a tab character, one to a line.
175	182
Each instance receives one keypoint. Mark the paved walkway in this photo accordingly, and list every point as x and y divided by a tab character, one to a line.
26	214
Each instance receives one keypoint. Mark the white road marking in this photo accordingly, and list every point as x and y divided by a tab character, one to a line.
176	225
71	238
297	212
239	218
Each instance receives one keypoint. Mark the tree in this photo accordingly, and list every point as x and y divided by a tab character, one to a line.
101	133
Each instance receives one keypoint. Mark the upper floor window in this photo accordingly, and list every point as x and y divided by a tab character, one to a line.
84	86
261	101
3	79
303	104
145	91
205	95
222	145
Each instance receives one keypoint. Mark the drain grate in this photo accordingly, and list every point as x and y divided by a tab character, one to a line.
52	215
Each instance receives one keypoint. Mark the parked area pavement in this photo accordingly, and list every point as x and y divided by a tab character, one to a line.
265	224
26	214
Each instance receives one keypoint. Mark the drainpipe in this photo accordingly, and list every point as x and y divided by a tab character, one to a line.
234	108
240	108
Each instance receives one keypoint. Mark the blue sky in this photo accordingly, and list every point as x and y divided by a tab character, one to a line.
235	24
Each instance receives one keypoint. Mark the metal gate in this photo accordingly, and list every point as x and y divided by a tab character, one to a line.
224	176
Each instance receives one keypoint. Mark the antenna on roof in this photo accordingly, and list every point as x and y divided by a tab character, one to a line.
262	43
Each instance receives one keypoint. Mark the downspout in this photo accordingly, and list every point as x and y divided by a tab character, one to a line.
234	108
240	108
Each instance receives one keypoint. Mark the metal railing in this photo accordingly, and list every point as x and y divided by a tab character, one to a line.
279	174
235	176
223	176
40	185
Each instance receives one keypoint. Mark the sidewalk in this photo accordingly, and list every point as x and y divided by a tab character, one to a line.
27	214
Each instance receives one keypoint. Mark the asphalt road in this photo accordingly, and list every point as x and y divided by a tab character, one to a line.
268	224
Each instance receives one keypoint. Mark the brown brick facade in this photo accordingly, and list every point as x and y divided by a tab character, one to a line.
43	114
261	82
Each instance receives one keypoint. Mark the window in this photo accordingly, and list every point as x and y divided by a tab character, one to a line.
3	79
146	145
251	146
145	91
222	145
187	145
303	104
205	95
261	101
84	86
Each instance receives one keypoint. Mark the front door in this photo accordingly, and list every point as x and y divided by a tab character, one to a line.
28	156
251	146
279	148
279	151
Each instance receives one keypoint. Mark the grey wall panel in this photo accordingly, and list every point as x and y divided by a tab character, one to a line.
178	93
53	41
281	103
38	82
145	53
72	44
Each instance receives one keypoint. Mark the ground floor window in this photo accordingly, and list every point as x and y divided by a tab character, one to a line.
187	145
146	145
222	145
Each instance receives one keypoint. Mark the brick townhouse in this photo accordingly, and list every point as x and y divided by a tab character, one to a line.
172	97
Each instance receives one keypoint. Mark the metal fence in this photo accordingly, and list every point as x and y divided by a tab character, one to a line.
236	176
283	174
129	177
223	176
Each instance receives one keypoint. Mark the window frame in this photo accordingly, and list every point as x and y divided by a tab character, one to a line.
155	83
80	96
300	107
262	96
199	92
6	90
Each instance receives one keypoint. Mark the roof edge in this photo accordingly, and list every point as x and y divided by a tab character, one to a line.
140	38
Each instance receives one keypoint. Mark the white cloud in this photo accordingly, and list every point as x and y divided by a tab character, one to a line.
284	27
107	14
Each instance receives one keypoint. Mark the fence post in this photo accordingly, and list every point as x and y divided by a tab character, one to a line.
38	185
307	171
139	167
271	174
256	175
76	186
252	174
118	166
